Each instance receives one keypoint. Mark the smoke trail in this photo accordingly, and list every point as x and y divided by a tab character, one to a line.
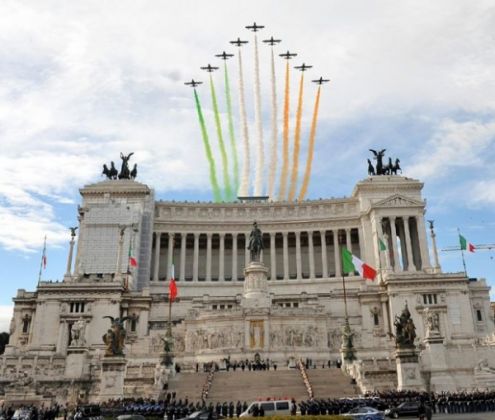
233	144
211	161
244	187
258	185
273	155
285	146
297	142
311	146
223	153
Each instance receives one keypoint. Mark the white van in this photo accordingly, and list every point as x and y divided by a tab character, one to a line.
270	408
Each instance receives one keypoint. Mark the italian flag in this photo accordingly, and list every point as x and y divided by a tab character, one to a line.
172	287
132	260
351	263
465	245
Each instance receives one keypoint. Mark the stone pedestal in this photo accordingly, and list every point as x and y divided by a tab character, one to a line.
408	374
112	378
434	357
255	286
76	362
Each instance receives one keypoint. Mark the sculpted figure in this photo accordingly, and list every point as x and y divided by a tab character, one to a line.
405	331
125	173
115	340
77	333
255	242
380	169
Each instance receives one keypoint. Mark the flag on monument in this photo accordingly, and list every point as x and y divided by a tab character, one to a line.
352	263
132	260
465	245
172	287
381	245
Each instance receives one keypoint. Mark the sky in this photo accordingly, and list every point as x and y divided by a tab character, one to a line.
82	81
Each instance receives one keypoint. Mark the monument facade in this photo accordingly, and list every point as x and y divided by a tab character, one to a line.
276	292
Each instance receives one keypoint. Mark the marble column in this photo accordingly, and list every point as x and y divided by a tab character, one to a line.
298	256
118	268
423	243
221	261
336	249
361	243
324	263
438	269
407	234
234	256
183	238
395	252
208	257
196	257
273	257
348	244
71	252
311	252
170	254
286	255
382	237
247	254
156	267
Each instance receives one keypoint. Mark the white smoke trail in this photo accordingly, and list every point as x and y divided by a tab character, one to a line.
258	185
244	187
273	154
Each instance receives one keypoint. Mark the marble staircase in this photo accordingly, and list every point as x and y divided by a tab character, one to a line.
252	385
331	383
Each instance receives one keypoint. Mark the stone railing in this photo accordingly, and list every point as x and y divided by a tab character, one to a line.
305	378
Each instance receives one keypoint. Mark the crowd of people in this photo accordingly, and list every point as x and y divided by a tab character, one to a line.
173	408
305	378
207	385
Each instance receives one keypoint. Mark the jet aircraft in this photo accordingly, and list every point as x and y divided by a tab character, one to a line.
209	68
254	27
238	42
320	81
303	67
193	83
288	55
224	55
272	41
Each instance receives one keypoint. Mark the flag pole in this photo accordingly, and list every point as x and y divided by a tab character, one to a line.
462	254
41	262
172	274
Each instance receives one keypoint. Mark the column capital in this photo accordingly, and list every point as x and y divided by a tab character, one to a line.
196	235
171	234
234	235
222	235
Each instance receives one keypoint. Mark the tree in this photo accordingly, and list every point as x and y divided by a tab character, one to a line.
4	340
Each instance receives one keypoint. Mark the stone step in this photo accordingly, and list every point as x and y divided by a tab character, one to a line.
188	384
331	383
253	385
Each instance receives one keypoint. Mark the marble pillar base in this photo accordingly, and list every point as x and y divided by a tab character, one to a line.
76	362
408	373
255	293
112	378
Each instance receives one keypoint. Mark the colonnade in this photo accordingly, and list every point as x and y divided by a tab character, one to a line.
211	256
405	237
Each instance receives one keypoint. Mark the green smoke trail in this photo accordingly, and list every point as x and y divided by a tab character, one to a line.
223	153
213	175
233	144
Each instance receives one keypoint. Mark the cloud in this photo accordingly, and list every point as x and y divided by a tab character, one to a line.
454	145
78	88
6	312
483	192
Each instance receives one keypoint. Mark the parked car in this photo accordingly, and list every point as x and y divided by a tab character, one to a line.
22	414
406	409
270	408
200	415
365	413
